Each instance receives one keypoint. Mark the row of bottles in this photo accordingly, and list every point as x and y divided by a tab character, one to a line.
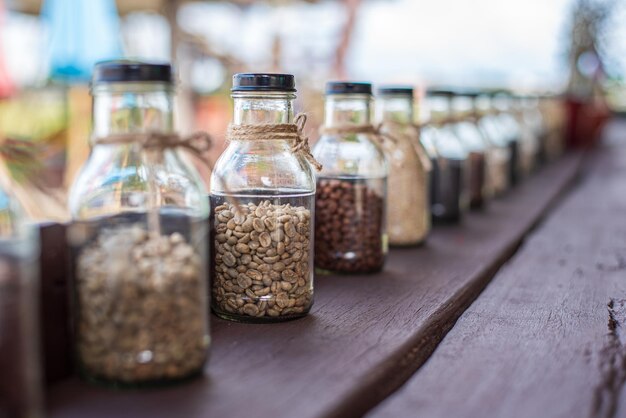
481	144
145	239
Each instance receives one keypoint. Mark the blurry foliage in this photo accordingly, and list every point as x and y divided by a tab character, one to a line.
34	115
32	130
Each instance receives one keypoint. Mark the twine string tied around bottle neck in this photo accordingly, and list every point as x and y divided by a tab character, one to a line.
374	130
197	143
292	132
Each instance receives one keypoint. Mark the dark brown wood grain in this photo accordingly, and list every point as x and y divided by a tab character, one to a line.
366	335
546	338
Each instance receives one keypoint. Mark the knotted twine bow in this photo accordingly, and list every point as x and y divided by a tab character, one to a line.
197	143
419	147
293	132
359	129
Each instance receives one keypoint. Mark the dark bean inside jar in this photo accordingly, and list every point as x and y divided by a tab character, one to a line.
350	228
447	192
477	173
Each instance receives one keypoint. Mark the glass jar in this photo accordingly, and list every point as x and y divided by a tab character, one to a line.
20	376
408	206
449	196
529	134
500	153
350	233
554	115
263	197
533	119
511	131
476	145
138	238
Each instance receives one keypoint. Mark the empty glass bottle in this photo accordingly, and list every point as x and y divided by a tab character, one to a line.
263	193
350	233
138	237
408	207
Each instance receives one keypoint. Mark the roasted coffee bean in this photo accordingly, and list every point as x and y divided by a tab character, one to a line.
267	269
349	225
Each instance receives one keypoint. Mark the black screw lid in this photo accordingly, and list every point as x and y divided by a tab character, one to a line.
395	91
467	92
340	87
264	82
120	71
498	92
440	91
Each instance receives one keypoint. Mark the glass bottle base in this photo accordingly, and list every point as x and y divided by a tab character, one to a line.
326	272
258	320
147	384
447	220
477	204
415	244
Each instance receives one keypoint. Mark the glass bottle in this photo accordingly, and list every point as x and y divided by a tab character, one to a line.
511	131
476	145
20	368
449	189
350	233
499	158
408	207
554	115
262	223
138	238
530	117
528	135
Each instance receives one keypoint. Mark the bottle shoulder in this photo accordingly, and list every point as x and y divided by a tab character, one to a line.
354	154
126	181
471	136
249	165
448	143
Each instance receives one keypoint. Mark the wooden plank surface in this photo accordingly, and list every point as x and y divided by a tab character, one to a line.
366	334
547	337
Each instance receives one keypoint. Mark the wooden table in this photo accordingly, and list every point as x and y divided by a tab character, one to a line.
534	343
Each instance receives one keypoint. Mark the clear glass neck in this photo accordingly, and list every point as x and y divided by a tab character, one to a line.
502	103
438	107
462	106
348	109
126	108
398	109
483	105
258	108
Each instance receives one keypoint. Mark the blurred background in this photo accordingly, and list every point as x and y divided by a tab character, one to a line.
574	49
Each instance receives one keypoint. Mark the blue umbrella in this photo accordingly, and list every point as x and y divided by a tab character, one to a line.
81	33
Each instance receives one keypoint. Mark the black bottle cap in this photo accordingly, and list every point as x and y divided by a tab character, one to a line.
467	92
264	82
498	92
440	91
395	91
340	87
121	71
